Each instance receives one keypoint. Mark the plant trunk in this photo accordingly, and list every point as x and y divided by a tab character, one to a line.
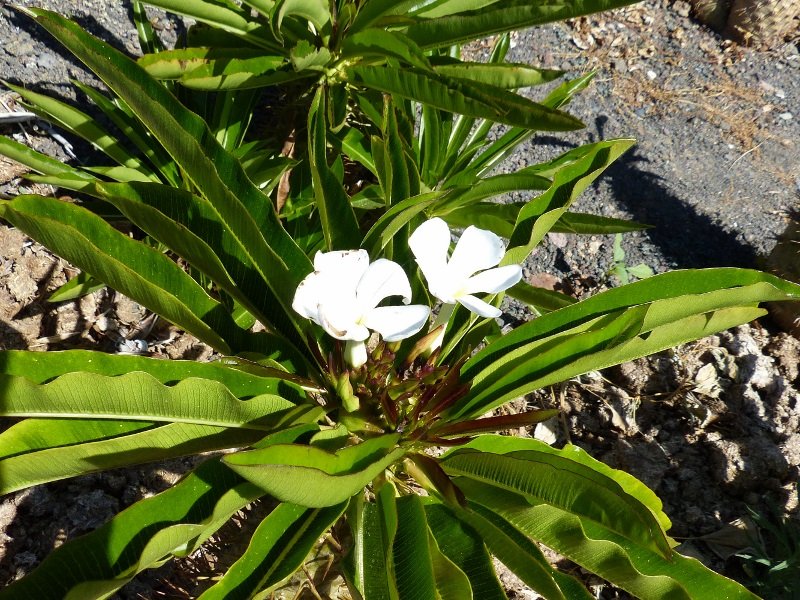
762	22
713	13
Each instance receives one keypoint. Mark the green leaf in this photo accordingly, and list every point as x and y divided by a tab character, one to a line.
224	17
220	68
618	325
400	179
175	522
77	287
569	485
587	224
520	554
355	145
462	97
141	273
369	566
31	435
315	11
189	225
634	568
307	57
79	123
133	130
40	367
499	17
373	10
451	582
37	161
277	549
174	64
413	563
539	298
132	448
564	93
397	217
140	203
312	477
507	76
503	444
490	187
465	548
339	223
240	205
640	271
468	167
137	397
374	42
539	215
501	218
148	40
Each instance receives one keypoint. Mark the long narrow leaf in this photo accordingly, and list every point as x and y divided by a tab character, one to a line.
134	269
276	550
507	76
339	223
311	477
223	17
521	555
41	367
173	522
574	487
539	216
630	566
499	17
464	547
79	123
462	97
136	397
599	340
219	176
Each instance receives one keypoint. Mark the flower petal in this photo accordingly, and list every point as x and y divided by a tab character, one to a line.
382	279
476	250
397	322
494	280
355	354
339	316
308	295
342	267
479	307
430	243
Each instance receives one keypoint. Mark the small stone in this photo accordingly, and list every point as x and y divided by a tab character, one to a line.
46	61
682	8
787	116
651	75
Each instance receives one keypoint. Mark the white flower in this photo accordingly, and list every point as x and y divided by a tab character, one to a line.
457	279
342	296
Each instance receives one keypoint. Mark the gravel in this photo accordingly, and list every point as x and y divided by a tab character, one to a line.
715	171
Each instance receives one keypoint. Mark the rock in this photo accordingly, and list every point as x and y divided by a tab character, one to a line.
682	8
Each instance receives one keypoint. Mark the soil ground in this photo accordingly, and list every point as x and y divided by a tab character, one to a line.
712	427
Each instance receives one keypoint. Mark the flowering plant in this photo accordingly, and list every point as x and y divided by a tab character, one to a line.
357	428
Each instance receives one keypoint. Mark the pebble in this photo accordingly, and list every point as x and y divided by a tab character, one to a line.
651	75
46	61
787	116
682	8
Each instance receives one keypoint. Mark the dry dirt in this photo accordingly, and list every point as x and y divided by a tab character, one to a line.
713	427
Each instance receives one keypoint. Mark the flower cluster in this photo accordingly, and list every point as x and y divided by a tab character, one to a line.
345	290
